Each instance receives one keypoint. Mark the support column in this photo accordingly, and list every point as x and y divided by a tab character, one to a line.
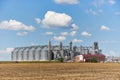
49	50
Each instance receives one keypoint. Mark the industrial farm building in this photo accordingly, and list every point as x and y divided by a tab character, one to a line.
53	52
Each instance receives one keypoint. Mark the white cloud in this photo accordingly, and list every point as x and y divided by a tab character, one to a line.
111	2
59	38
3	51
112	53
117	13
104	28
90	11
86	34
54	19
22	33
33	44
67	1
15	25
110	42
38	20
74	27
73	33
77	41
98	3
49	33
64	33
94	12
7	50
100	11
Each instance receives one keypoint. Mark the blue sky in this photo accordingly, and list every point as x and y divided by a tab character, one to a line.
34	22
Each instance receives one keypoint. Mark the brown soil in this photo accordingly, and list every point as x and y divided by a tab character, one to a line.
60	71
